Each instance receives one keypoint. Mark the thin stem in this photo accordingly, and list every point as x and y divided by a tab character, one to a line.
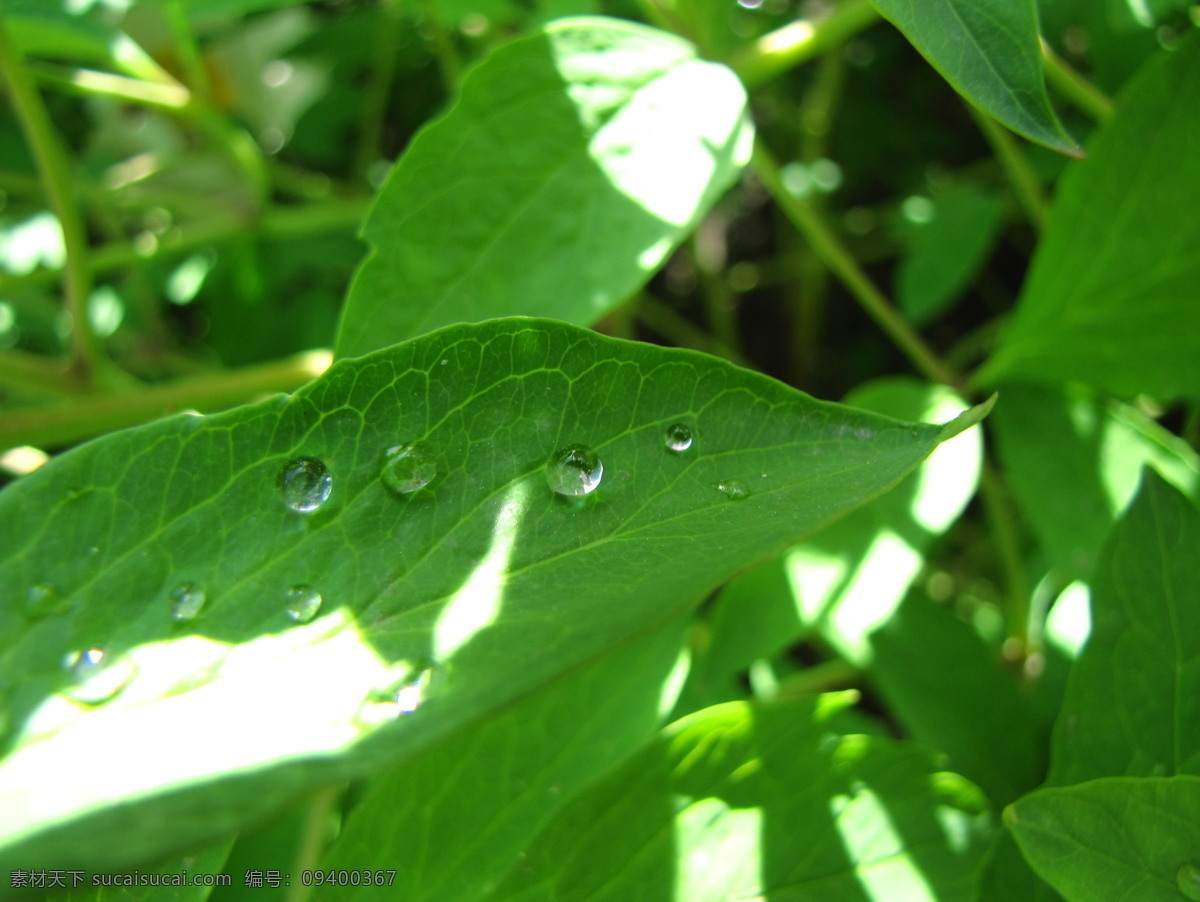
1003	523
84	417
657	316
36	375
443	46
86	350
90	83
823	240
788	47
1024	180
1076	89
189	53
326	216
379	88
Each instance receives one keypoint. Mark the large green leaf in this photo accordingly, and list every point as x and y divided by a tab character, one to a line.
847	580
571	165
948	689
753	802
1074	462
455	597
477	800
1113	296
1133	702
1114	838
988	50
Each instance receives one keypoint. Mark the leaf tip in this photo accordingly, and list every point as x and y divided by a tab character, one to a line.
968	418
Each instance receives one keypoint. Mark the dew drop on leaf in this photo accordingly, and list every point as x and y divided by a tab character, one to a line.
1187	878
303	603
734	490
44	600
96	677
574	470
187	600
678	437
304	484
406	469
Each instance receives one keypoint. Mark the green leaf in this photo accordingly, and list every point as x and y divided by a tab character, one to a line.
1112	298
1074	462
743	801
944	254
458	597
1114	838
62	31
988	50
571	165
476	800
847	579
1133	701
947	688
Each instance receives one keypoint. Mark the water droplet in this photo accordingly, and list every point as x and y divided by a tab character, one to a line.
1187	878
734	490
304	484
406	469
412	693
96	676
678	437
44	600
187	600
303	603
575	470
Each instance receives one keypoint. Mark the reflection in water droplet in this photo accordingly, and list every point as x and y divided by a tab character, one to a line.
1187	878
304	484
734	490
187	600
44	600
678	437
397	699
96	676
303	603
574	470
406	469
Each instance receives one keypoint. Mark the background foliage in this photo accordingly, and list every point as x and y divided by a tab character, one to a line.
827	651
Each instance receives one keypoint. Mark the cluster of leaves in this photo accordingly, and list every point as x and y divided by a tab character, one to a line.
783	648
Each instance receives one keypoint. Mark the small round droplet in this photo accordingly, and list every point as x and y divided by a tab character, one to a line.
44	600
96	677
734	490
1187	878
406	469
303	603
678	437
304	484
574	470
187	600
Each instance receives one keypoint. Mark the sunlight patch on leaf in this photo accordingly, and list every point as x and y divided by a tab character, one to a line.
477	604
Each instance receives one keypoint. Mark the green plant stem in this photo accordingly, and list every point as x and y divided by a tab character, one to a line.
90	83
1003	523
278	222
839	260
824	677
657	316
84	417
443	47
86	352
37	375
788	47
1080	92
383	72
189	52
1024	180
